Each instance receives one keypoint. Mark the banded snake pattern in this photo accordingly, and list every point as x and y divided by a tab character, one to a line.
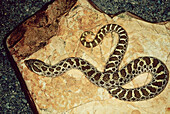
111	78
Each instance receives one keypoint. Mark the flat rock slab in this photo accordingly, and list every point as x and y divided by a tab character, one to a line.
53	34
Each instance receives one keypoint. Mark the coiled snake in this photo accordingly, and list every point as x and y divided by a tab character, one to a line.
112	78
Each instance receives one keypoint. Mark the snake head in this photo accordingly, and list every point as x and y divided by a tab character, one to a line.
35	66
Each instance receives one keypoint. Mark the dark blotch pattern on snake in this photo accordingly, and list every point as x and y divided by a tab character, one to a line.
112	78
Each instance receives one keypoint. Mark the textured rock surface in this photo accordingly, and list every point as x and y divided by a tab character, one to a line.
72	92
38	30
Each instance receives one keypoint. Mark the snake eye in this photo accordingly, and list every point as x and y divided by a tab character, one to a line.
36	63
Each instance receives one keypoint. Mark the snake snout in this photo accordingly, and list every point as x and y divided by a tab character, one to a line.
29	64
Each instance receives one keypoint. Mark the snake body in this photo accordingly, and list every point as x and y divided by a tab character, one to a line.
111	78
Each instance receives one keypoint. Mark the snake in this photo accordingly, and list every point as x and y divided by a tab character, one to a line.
113	77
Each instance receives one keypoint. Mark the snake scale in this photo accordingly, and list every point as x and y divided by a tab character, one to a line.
111	78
